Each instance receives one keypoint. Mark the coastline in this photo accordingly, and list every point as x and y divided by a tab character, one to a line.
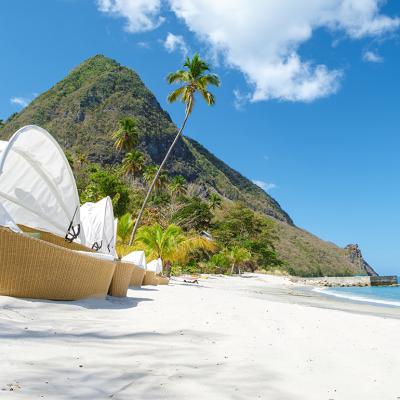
283	289
256	336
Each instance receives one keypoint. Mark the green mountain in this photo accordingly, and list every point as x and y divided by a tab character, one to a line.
84	108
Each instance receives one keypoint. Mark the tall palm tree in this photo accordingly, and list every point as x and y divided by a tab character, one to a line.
170	244
133	163
162	181
178	186
194	78
126	137
214	201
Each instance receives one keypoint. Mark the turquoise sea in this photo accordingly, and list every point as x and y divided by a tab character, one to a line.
384	295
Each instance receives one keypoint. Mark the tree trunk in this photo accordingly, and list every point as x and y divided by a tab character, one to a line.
168	266
139	217
232	269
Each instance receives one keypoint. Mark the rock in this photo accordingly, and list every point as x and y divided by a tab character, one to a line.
355	257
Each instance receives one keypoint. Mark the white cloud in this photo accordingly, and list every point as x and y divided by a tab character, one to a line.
141	15
240	99
263	40
144	45
20	101
370	56
176	42
264	185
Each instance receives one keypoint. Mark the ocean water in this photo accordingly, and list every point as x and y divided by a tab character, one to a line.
384	295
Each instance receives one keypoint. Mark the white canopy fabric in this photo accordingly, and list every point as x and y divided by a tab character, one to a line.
37	186
155	266
115	236
7	221
98	225
136	257
3	144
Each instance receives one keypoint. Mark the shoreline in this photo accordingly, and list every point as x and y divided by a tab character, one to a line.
249	337
320	297
284	290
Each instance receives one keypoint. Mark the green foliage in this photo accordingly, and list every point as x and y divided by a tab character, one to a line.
237	256
170	244
214	201
162	181
126	137
178	186
124	229
70	158
133	163
220	263
194	215
104	183
242	228
194	79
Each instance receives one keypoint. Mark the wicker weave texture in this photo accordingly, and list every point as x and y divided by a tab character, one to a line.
58	240
137	276
150	278
162	280
33	268
121	279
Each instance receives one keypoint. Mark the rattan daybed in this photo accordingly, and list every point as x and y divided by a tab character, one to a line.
138	260
121	279
162	280
150	278
34	268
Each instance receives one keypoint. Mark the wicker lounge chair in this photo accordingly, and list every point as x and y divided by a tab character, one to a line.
34	268
121	279
138	260
162	280
137	276
150	278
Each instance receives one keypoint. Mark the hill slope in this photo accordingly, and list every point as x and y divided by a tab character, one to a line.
83	109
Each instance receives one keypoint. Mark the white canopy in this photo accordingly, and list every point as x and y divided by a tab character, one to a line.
136	257
155	266
7	221
3	144
98	225
37	187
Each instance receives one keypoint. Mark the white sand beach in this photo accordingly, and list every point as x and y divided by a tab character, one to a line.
227	338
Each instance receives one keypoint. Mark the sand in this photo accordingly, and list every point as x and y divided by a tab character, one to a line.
255	337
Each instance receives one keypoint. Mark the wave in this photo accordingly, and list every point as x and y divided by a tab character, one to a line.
353	297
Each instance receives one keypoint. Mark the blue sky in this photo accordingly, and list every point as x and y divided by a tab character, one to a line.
309	105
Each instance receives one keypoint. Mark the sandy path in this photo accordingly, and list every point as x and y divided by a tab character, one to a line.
221	340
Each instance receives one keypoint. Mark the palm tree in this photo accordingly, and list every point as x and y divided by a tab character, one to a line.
126	137
162	181
214	201
125	225
133	163
170	244
237	256
194	79
177	186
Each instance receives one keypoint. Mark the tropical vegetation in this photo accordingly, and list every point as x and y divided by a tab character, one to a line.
195	79
82	112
